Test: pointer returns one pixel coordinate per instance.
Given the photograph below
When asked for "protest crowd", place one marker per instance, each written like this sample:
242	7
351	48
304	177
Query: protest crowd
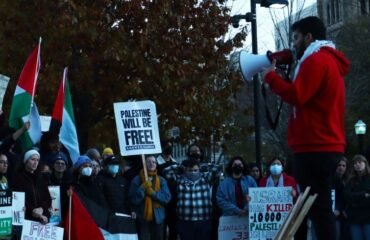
179	201
98	194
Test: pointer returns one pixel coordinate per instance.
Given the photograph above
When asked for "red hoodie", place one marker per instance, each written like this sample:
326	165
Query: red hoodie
318	99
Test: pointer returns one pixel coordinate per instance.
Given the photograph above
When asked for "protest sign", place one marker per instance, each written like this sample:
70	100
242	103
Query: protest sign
4	80
5	213
18	208
55	214
268	209
137	128
233	227
37	231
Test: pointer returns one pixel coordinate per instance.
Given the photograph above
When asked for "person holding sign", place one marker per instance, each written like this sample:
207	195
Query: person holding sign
277	177
149	197
30	181
233	190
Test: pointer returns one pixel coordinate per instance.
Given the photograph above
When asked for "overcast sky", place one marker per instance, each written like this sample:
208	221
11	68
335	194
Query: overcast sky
265	34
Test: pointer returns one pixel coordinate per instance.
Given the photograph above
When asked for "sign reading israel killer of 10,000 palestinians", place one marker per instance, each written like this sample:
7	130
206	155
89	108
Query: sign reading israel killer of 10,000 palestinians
268	209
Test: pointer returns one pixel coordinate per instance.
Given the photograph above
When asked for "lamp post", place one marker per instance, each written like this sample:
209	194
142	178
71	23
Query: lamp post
360	130
251	17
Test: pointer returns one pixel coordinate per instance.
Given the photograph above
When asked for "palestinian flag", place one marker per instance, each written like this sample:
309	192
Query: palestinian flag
78	223
63	120
88	220
23	108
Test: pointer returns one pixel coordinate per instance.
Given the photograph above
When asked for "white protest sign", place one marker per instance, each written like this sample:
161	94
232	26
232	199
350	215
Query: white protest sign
18	208
4	80
55	214
268	209
37	231
5	213
233	228
137	128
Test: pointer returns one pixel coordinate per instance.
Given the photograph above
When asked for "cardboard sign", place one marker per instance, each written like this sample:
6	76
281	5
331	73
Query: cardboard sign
18	208
37	231
233	227
268	209
137	128
55	213
5	213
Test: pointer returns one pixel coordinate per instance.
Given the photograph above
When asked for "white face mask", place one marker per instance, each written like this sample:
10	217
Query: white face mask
276	169
113	169
86	171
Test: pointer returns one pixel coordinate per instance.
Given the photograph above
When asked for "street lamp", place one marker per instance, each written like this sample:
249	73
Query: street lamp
251	17
360	130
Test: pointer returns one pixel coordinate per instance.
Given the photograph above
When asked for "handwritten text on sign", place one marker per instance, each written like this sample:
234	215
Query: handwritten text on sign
233	227
267	210
37	231
137	128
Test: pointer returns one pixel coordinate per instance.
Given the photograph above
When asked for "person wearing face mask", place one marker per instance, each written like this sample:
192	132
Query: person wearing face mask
233	190
84	184
277	178
194	202
114	186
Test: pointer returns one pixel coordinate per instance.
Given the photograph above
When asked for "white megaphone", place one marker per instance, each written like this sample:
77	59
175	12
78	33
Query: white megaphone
251	64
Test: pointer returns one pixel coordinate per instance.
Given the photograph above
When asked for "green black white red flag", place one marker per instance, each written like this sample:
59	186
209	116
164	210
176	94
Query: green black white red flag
63	120
23	108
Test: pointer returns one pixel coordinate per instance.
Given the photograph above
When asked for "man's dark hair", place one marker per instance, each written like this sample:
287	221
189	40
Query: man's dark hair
312	25
191	163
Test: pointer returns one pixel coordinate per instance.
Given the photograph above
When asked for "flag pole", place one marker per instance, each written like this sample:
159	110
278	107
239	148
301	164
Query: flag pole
70	215
36	73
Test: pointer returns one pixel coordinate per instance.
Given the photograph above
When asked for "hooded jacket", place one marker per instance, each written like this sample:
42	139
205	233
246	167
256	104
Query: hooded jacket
318	98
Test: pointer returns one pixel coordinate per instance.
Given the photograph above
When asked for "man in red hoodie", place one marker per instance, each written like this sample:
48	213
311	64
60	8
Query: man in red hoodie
316	127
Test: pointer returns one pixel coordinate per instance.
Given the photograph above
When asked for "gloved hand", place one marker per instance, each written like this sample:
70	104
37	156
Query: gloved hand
146	184
149	191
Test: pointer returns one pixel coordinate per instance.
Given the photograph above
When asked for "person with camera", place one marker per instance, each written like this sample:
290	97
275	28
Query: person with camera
357	195
316	126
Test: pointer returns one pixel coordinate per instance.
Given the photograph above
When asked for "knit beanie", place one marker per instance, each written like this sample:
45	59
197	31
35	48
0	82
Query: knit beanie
29	154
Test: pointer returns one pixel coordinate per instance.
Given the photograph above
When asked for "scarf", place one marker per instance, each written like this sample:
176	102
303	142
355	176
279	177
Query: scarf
3	183
270	182
239	194
148	204
312	48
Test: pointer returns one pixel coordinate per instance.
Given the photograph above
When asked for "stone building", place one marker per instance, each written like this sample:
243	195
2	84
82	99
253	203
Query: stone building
335	13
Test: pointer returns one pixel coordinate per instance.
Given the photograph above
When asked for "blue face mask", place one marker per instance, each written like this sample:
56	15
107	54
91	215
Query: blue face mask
276	169
113	169
86	171
193	176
